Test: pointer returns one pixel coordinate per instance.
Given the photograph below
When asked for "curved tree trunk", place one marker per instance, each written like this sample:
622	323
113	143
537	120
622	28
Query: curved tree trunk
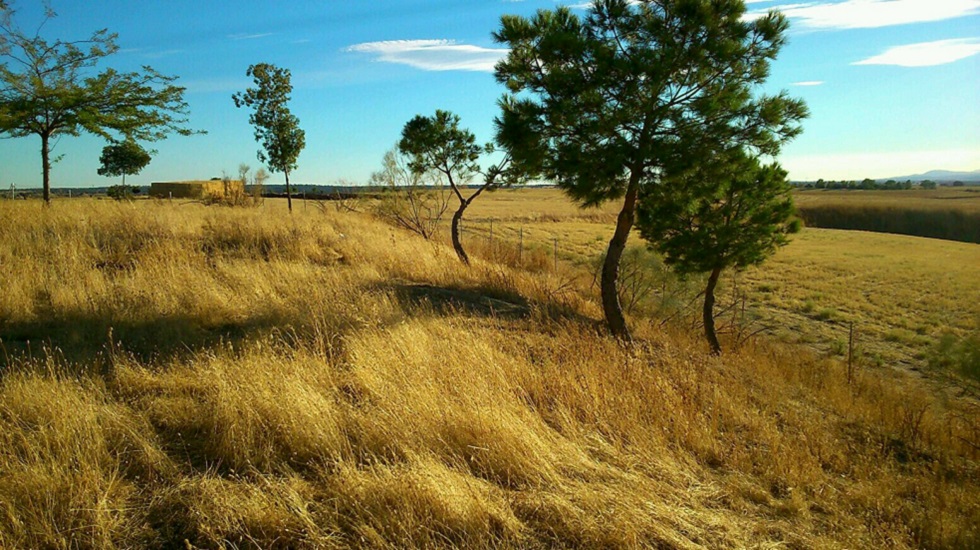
457	244
611	307
289	195
46	168
709	312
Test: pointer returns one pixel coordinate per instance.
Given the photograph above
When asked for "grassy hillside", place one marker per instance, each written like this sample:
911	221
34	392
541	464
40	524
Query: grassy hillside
180	376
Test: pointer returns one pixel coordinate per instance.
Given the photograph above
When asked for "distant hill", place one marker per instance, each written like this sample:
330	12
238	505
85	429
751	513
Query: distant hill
941	175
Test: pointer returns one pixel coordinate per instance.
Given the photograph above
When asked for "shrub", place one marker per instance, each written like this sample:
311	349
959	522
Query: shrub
960	355
647	286
409	200
122	192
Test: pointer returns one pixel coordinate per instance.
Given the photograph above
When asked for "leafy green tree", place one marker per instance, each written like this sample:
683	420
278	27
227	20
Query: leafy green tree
928	184
439	144
122	159
276	128
602	105
724	211
50	89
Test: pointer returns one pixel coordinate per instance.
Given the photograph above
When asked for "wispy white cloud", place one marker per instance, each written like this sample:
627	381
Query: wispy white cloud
433	55
246	36
808	83
863	14
155	54
163	53
926	54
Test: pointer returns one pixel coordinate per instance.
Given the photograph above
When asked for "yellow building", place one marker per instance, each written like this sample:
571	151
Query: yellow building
204	189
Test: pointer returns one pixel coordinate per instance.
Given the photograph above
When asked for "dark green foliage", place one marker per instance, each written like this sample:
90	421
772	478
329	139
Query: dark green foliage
122	159
604	104
723	211
276	128
50	89
629	88
438	144
727	212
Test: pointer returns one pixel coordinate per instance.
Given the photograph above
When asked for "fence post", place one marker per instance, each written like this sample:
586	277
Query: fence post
520	249
556	254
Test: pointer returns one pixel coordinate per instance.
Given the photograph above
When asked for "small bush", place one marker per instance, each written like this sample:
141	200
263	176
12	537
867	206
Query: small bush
826	314
122	192
960	355
647	286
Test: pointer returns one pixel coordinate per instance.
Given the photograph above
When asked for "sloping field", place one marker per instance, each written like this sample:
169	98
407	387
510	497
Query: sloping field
901	293
183	376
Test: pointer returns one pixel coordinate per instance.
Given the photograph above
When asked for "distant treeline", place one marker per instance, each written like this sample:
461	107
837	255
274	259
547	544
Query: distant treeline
869	184
939	223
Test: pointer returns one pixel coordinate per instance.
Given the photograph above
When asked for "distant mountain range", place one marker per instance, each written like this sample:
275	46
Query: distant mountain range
940	175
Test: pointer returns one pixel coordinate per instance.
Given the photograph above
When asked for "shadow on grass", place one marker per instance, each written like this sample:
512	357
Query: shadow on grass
82	340
480	302
490	302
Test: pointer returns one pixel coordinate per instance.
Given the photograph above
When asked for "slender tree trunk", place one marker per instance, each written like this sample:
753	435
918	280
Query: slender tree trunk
289	196
457	244
610	267
709	312
46	168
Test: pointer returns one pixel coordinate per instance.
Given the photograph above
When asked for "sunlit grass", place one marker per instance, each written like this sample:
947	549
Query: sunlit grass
244	378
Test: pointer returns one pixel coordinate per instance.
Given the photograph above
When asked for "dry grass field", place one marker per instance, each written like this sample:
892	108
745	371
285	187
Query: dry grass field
901	293
200	377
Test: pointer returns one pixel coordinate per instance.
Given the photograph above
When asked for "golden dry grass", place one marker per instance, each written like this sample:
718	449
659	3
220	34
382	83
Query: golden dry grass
247	379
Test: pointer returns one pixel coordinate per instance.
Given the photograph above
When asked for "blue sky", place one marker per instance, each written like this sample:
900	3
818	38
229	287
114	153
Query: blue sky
893	85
